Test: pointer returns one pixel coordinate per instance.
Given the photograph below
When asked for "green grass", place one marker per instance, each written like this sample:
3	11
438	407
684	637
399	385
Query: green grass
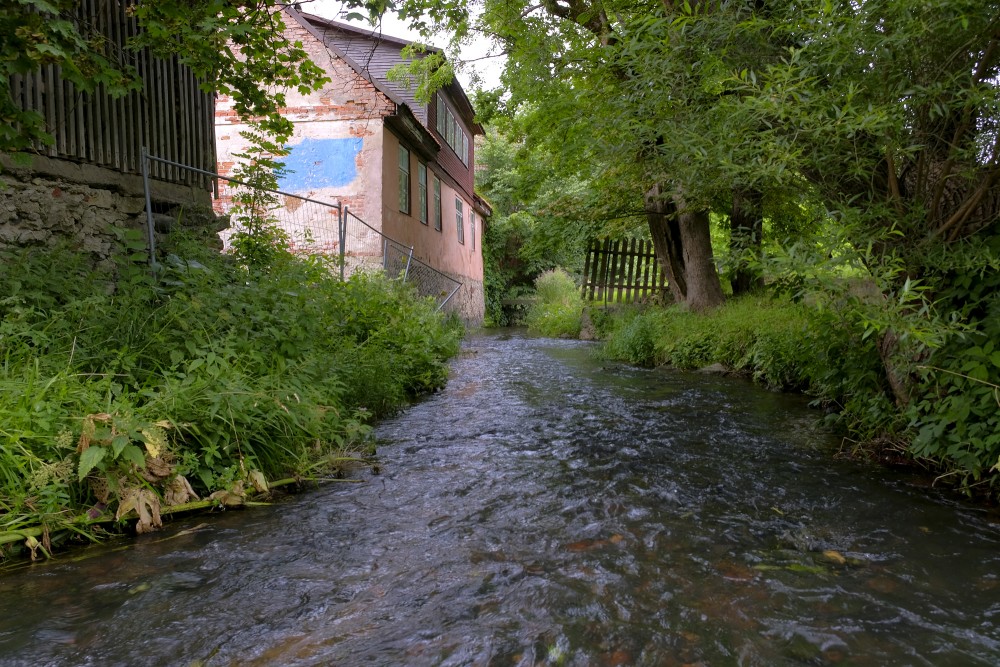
110	389
757	336
559	310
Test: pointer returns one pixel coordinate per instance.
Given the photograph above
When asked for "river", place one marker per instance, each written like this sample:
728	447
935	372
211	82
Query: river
548	508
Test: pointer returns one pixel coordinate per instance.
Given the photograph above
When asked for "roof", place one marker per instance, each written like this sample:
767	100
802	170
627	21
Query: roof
372	54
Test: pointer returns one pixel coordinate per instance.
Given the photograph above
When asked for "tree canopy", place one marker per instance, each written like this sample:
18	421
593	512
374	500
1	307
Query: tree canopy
236	48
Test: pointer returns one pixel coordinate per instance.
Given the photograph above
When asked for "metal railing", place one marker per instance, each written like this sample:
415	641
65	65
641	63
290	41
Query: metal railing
314	227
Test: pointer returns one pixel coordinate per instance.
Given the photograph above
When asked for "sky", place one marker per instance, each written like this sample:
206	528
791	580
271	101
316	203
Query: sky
487	68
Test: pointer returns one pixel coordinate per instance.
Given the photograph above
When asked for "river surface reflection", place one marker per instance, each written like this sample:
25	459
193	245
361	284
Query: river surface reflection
548	508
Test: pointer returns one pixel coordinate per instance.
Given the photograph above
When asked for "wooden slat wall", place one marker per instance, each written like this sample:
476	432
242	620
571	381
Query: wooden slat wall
621	271
171	115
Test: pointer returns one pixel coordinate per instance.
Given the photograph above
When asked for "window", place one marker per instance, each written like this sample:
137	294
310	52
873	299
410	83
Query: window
451	130
422	191
404	180
442	114
459	221
472	228
437	204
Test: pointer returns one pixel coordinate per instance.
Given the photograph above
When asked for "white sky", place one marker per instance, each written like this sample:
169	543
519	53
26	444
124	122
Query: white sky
473	55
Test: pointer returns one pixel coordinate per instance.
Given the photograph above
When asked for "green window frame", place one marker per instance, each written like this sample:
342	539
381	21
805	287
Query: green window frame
422	191
460	220
404	179
437	204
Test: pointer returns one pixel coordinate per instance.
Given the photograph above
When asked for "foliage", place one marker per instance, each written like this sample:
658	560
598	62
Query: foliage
753	335
956	408
235	47
560	307
542	218
43	32
216	378
258	242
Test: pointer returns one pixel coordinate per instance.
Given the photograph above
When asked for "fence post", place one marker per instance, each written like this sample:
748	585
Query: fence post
150	239
406	272
342	228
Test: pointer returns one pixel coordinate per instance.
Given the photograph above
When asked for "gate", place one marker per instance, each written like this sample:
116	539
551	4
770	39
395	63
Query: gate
621	271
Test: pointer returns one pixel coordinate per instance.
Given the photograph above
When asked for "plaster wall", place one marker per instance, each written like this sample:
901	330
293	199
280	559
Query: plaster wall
335	150
441	249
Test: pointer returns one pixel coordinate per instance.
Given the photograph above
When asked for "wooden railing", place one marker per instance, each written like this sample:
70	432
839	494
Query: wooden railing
171	115
621	271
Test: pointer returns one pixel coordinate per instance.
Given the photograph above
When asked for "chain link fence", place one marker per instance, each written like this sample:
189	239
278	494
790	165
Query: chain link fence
313	227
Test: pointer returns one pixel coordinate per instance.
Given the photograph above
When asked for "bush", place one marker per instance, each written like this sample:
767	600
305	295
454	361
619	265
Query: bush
560	307
754	335
210	376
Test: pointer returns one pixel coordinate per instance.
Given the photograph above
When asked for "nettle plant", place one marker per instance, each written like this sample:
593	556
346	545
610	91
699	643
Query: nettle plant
259	242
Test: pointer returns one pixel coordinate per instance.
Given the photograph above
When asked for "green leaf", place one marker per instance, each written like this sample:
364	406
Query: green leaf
118	444
133	454
91	456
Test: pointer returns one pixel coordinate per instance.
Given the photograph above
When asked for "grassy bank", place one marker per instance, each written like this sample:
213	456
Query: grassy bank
950	425
120	399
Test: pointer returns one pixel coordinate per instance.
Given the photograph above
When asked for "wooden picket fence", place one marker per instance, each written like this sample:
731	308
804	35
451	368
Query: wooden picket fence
171	115
621	271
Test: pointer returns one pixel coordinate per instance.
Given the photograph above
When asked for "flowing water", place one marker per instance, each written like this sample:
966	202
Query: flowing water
547	508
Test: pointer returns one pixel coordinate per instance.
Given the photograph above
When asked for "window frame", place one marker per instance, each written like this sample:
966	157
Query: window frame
460	220
450	129
472	228
438	213
422	191
442	114
404	179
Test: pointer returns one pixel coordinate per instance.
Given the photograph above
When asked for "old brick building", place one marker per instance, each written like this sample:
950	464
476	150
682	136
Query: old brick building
405	168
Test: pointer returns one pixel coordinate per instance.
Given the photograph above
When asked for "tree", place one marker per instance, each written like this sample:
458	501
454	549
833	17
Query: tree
237	48
613	82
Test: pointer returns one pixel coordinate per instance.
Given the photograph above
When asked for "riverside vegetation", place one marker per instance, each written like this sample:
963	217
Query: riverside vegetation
126	400
815	335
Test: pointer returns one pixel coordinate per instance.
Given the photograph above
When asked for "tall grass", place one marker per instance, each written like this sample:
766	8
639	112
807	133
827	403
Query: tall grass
780	343
210	375
560	307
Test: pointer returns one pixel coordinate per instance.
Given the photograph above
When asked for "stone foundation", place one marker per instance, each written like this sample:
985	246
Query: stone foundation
468	302
46	211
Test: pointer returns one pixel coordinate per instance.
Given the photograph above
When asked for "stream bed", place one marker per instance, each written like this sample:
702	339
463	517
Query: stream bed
548	508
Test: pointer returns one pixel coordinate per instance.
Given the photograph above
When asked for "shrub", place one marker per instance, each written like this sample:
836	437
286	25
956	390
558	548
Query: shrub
558	312
214	375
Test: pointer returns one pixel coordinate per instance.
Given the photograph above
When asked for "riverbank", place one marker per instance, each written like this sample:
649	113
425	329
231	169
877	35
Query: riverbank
921	390
823	353
126	397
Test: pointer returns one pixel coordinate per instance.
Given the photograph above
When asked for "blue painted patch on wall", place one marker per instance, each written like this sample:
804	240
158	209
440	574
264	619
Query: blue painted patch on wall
320	163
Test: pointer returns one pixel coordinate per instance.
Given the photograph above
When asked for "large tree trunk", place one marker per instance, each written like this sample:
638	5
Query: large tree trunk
683	243
746	229
661	216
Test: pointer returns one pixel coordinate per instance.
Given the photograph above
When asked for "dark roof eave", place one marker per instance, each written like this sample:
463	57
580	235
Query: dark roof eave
310	21
405	124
